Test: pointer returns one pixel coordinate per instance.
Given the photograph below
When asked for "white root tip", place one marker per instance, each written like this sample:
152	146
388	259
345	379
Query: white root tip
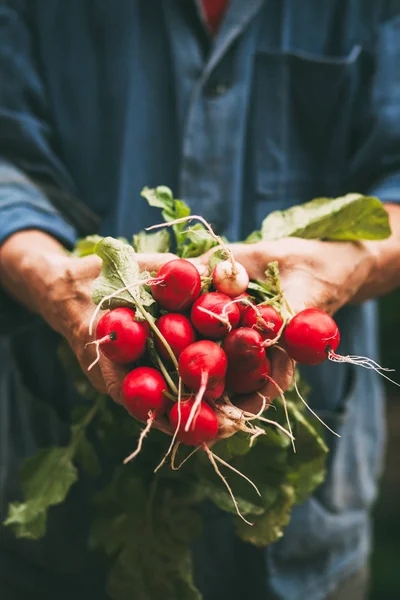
309	408
143	434
97	344
282	395
185	459
211	457
223	462
363	361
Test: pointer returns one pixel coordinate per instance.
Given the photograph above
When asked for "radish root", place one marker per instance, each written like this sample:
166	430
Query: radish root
176	430
212	458
224	320
282	395
362	361
196	404
309	408
143	434
97	344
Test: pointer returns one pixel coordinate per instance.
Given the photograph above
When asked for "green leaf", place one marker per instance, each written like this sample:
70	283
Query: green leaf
222	499
86	246
147	537
46	479
192	238
252	238
85	454
269	528
350	217
119	276
159	241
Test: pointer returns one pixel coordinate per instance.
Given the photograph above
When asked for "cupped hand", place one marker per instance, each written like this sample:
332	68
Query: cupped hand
313	273
68	308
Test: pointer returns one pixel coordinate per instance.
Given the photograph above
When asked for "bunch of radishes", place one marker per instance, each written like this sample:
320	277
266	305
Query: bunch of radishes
206	350
210	347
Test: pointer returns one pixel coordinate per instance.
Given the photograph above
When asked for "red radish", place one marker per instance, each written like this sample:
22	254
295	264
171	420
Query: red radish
264	318
230	278
203	427
214	314
311	336
242	382
143	393
179	286
203	361
244	349
243	302
178	333
120	337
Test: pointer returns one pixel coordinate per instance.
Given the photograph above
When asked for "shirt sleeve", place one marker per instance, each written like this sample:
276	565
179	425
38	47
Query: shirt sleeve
375	143
36	190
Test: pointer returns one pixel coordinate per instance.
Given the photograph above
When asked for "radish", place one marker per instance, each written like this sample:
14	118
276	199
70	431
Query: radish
230	278
143	393
214	314
245	382
202	367
177	330
243	301
120	337
311	336
179	285
203	363
244	349
203	428
263	317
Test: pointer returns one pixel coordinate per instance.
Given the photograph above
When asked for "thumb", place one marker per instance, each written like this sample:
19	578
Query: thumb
153	261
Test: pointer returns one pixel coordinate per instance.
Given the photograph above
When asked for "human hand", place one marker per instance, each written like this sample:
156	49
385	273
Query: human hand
36	270
323	275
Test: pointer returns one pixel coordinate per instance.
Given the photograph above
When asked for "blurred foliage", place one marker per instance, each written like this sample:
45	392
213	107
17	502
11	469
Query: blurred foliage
386	556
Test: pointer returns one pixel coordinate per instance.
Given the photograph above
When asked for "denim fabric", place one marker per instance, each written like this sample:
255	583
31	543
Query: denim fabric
290	101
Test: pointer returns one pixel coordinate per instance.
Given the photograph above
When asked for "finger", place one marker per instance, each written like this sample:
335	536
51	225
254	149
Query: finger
89	266
113	376
152	261
201	265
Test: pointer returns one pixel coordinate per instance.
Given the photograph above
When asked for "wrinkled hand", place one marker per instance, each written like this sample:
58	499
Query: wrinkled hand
323	275
69	308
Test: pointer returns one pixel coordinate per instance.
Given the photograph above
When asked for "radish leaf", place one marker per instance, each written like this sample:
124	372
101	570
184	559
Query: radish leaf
349	217
159	241
120	269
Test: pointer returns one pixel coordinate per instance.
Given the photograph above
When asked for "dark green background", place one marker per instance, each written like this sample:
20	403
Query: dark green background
386	557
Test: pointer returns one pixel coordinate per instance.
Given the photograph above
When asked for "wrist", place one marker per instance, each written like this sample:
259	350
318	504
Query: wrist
36	271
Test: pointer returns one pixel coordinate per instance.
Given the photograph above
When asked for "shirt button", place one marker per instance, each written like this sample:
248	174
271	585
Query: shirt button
213	90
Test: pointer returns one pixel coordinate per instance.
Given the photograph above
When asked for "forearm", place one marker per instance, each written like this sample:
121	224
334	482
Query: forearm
385	272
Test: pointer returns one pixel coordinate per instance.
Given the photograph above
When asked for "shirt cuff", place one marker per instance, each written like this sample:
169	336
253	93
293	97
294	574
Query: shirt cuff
19	217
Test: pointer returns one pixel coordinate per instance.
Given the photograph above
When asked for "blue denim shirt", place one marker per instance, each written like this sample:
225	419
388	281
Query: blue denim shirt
291	100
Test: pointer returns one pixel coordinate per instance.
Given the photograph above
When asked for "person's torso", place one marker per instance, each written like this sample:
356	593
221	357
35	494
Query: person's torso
257	119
